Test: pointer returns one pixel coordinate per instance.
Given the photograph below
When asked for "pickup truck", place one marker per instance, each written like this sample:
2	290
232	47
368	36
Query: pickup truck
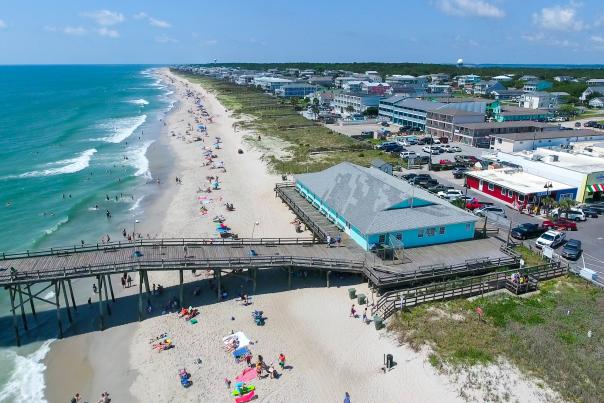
560	224
475	204
527	230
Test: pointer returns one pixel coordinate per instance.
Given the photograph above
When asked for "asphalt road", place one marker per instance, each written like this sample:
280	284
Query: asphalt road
590	232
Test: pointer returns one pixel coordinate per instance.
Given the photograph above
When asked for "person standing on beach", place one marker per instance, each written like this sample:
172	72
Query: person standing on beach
365	315
129	281
282	361
94	288
123	282
353	312
346	397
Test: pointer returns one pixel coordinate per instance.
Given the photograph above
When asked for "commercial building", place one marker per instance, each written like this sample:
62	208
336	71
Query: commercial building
376	209
299	90
539	100
397	81
442	122
584	172
517	188
479	134
359	102
513	142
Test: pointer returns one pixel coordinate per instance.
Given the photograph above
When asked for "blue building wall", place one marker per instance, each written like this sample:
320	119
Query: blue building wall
410	238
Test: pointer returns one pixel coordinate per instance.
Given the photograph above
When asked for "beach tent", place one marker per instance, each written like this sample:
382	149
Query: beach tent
243	340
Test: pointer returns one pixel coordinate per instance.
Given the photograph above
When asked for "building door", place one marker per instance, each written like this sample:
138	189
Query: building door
480	183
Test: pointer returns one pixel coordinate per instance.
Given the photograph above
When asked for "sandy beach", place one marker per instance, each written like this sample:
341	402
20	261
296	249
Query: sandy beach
328	352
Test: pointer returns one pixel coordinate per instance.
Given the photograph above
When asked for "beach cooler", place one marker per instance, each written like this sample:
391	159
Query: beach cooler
361	299
352	293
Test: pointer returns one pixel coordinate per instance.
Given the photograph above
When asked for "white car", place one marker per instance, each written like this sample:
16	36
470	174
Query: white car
573	214
490	210
407	154
550	238
450	194
445	148
455	149
431	149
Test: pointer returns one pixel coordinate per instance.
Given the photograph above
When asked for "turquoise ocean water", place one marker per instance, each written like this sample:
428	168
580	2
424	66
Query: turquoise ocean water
73	144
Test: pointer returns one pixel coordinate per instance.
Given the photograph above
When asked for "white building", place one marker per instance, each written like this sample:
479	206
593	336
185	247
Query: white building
592	90
514	142
581	171
270	83
467	79
539	100
597	102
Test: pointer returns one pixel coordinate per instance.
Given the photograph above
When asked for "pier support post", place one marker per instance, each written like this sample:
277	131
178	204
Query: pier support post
146	279
289	278
140	295
218	274
101	313
327	275
66	301
110	288
15	322
103	278
73	303
59	323
181	298
23	317
255	282
31	300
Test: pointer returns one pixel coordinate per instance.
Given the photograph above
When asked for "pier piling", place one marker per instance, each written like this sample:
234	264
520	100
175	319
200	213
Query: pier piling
101	313
31	300
66	301
59	323
15	322
22	306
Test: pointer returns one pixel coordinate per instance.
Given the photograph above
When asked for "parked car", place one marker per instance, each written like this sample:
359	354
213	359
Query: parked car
561	224
409	176
443	140
411	141
434	150
427	183
439	188
460	172
445	148
455	149
474	204
550	238
482	212
598	208
527	230
385	124
572	249
425	140
450	194
407	154
591	212
574	214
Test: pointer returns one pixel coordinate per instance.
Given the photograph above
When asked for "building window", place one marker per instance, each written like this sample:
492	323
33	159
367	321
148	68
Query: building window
521	198
468	227
382	238
399	236
503	191
430	231
420	233
510	193
491	186
441	230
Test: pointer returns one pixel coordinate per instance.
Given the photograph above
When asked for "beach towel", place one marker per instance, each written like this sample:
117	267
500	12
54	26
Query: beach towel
245	398
247	375
193	321
243	340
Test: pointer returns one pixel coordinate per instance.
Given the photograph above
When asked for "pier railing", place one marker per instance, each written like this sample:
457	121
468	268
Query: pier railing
190	263
164	242
309	222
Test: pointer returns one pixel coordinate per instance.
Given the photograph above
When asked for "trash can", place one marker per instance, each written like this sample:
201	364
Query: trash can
378	322
389	361
352	293
361	299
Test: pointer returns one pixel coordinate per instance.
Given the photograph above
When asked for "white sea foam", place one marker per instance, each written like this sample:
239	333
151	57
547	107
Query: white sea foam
49	295
140	102
138	159
56	227
136	204
26	383
67	166
122	128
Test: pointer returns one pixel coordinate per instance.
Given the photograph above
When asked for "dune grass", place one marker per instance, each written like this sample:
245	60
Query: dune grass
312	146
546	334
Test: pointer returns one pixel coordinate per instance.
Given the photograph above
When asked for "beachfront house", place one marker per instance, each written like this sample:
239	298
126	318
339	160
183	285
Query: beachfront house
590	91
299	90
597	102
533	86
379	210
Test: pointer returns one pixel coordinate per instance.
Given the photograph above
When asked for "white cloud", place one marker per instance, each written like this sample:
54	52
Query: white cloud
76	31
110	33
165	39
104	17
2	24
152	21
559	18
464	8
536	37
598	39
210	42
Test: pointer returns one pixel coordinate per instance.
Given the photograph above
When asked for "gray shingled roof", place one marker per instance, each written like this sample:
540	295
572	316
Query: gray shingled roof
420	104
363	196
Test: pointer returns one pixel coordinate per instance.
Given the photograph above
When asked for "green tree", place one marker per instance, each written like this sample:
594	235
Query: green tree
371	111
350	108
315	110
567	110
548	203
566	204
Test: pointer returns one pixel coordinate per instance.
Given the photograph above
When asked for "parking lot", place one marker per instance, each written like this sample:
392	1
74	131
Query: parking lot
590	232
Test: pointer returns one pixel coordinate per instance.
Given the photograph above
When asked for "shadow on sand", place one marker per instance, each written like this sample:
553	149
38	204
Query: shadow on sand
124	310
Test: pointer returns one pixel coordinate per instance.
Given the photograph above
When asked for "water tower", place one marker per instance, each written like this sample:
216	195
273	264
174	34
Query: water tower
459	62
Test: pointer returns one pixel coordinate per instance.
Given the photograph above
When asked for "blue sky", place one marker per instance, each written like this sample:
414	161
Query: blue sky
183	31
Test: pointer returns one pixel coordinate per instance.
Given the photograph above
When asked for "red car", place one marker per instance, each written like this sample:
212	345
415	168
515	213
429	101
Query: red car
474	204
560	224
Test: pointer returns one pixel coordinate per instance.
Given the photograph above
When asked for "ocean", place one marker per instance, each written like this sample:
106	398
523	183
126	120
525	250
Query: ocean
73	147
